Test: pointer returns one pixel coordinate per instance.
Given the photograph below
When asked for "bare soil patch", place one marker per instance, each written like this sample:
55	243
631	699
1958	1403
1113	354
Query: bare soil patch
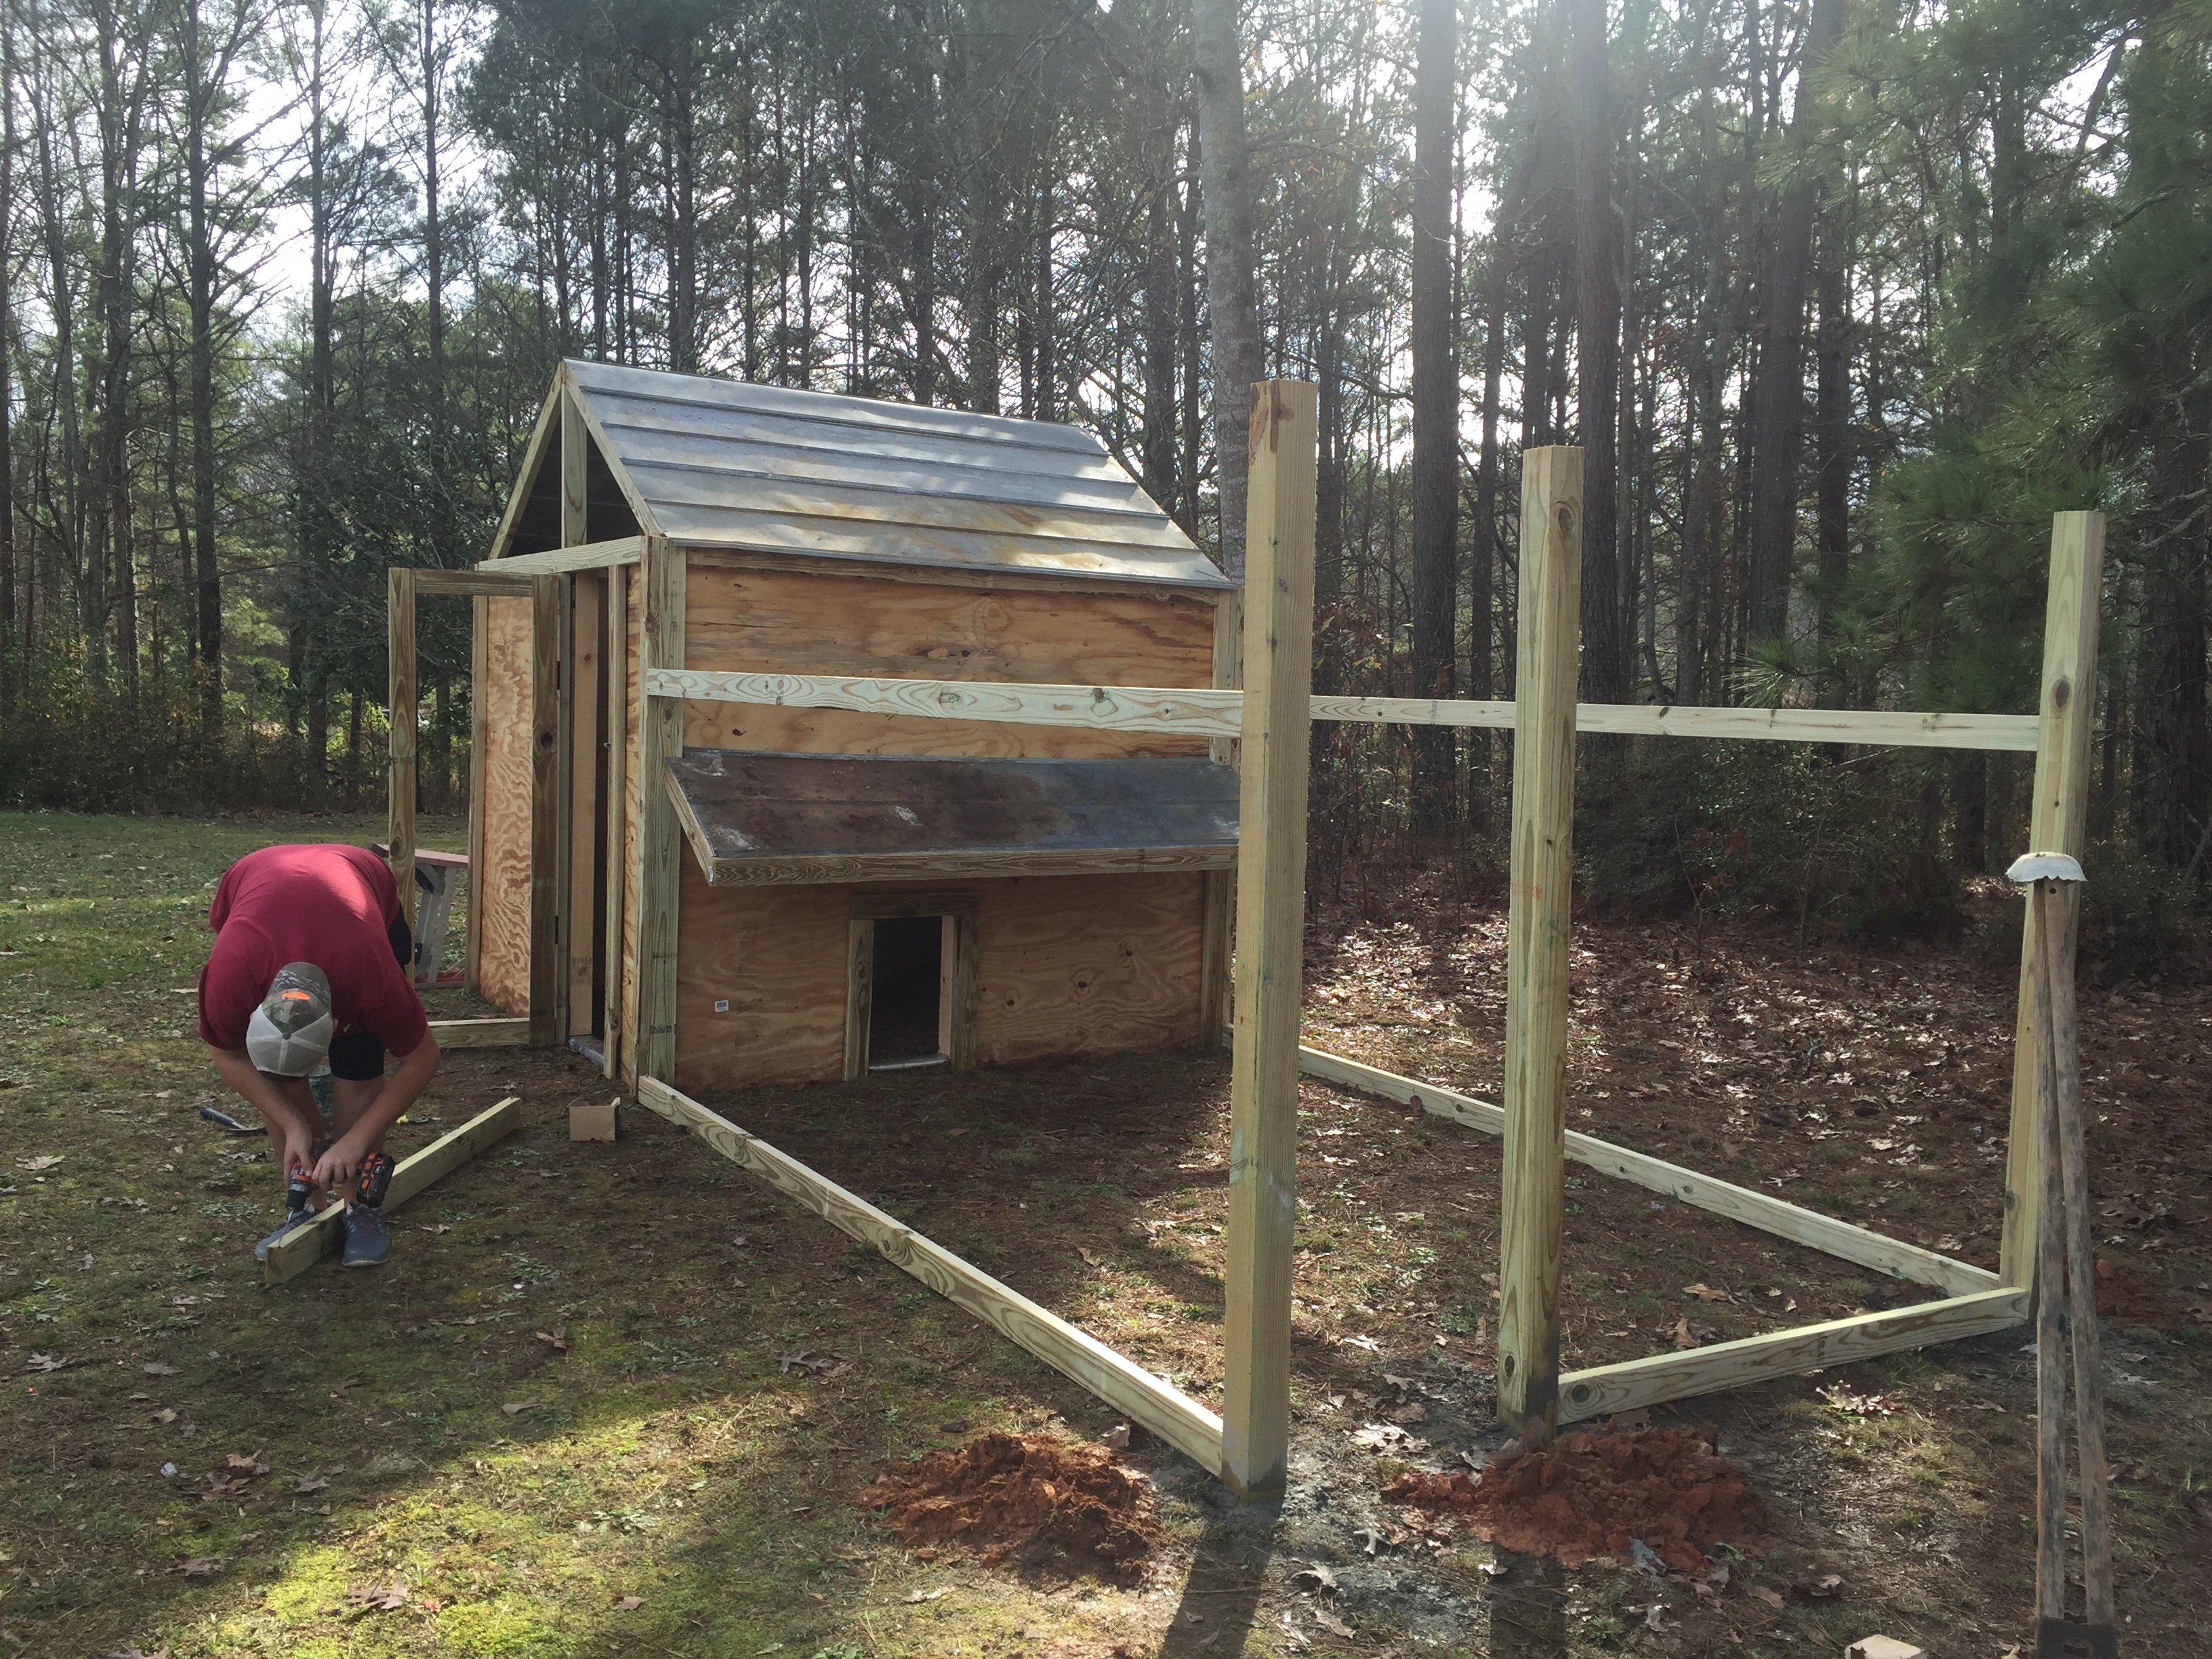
1589	1495
1025	1499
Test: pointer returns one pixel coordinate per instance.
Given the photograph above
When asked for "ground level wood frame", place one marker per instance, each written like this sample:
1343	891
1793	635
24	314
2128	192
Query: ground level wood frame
319	1235
1270	720
1248	1445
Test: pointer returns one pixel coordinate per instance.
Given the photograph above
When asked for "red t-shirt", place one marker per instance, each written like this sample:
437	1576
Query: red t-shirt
332	906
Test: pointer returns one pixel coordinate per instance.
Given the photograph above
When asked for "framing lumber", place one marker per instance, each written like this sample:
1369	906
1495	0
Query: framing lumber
580	797
923	902
1166	1411
1750	1359
860	994
616	807
1842	1239
575	463
321	1233
1214	713
472	583
401	704
479	684
2058	819
660	846
547	821
1275	742
1216	928
498	1033
561	561
1199	712
533	454
1538	921
963	994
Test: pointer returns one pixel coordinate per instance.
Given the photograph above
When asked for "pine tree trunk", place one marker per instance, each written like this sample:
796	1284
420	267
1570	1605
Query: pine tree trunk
1831	451
1232	303
1597	354
1779	437
1435	482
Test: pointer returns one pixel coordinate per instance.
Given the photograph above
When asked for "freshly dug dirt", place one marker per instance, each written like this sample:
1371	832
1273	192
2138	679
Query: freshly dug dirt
2127	1298
1023	1497
1585	1496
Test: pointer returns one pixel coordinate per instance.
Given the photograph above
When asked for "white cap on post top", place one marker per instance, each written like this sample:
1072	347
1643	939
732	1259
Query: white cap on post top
2031	867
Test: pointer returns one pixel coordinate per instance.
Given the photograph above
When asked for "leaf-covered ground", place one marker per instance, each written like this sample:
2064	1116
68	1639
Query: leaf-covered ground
613	1399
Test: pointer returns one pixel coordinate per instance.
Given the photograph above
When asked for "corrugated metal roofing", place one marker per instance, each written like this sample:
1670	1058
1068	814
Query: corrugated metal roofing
712	463
759	816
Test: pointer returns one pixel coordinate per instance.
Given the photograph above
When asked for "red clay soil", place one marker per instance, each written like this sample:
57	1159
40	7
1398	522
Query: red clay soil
2127	1298
1585	1496
1023	1497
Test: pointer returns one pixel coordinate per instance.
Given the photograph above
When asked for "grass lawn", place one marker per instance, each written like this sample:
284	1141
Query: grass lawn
615	1399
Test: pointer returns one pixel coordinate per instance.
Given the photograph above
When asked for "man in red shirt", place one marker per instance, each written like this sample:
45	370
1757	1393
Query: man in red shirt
311	962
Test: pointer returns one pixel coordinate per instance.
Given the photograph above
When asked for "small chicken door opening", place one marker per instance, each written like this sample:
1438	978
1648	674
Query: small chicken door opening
908	1020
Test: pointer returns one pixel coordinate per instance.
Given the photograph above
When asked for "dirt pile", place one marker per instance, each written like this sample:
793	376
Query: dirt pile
2127	1298
1588	1494
1023	1497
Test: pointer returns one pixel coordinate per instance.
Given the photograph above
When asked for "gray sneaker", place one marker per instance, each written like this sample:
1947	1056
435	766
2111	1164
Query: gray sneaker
292	1219
366	1243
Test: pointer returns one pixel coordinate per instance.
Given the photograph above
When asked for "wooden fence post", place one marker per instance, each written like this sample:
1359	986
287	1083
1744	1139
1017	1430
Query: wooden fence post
660	851
401	702
1216	1006
1271	861
479	690
2058	821
616	807
1538	920
547	820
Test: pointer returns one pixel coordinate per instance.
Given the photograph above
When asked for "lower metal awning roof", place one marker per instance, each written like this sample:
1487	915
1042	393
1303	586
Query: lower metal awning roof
759	817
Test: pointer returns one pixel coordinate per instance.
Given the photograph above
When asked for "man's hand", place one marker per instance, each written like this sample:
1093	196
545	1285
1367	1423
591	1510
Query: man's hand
335	1170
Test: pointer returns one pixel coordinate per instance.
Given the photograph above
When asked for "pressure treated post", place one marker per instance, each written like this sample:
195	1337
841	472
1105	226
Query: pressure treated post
1538	920
1271	868
660	871
1217	935
479	690
575	447
2058	818
401	701
616	808
546	819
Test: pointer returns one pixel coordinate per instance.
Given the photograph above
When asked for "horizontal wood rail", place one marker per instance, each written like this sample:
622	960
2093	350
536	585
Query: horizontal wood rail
481	1033
564	560
1197	712
490	584
1749	1359
317	1236
1122	1383
1769	1214
1202	712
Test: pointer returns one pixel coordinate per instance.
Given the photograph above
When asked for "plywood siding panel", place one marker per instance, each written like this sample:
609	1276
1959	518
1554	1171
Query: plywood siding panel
1073	964
803	623
778	958
503	974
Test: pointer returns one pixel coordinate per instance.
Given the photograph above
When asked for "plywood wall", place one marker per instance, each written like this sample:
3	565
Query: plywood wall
1069	964
810	622
1087	964
503	974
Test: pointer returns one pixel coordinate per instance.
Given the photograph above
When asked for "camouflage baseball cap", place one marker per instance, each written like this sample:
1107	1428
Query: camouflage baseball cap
289	1033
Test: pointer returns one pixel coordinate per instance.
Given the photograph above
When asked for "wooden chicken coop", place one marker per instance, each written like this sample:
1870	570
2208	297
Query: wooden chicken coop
856	890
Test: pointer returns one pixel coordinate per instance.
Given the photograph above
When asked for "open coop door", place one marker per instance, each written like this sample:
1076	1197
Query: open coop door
521	868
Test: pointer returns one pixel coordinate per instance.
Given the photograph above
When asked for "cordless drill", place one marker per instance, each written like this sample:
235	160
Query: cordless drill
373	1181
